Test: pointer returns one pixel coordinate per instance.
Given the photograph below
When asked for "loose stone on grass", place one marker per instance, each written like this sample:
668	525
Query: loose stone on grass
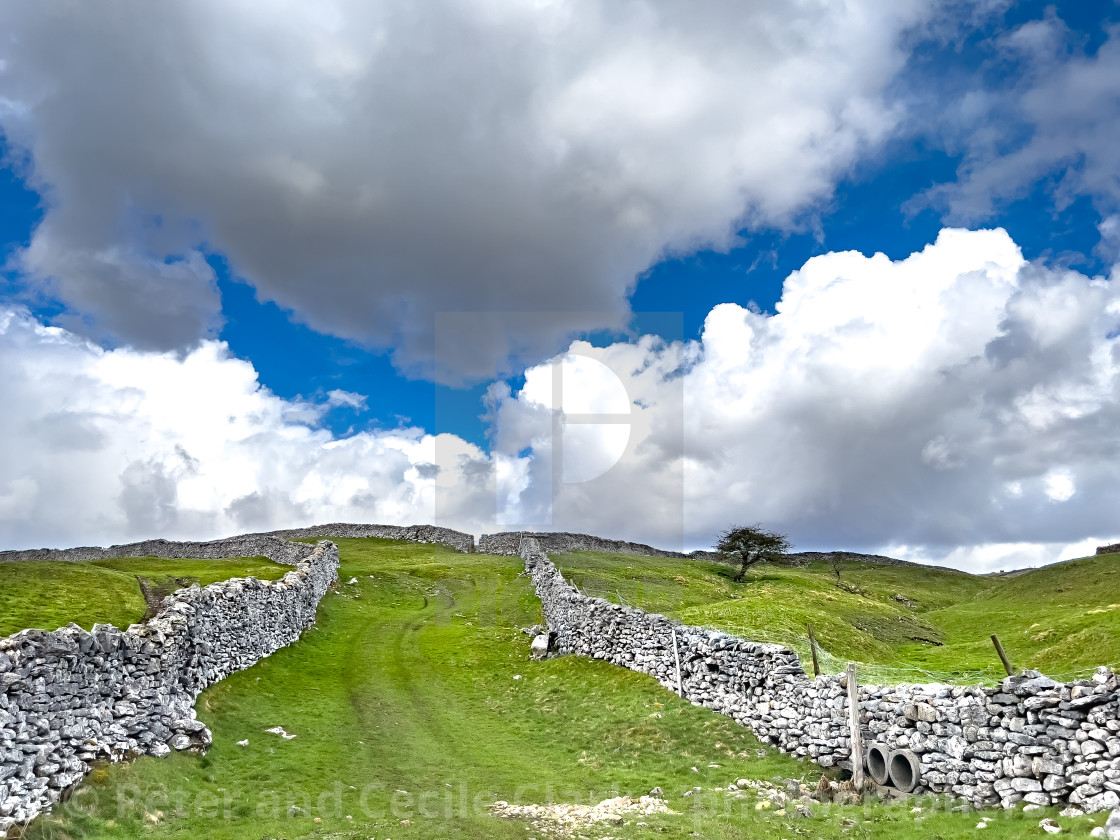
562	820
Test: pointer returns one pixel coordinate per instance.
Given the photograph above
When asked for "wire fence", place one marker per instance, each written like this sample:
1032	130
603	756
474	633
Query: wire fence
870	672
882	674
873	673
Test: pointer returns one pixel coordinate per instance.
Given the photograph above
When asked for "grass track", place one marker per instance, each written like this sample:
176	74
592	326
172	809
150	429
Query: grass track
404	703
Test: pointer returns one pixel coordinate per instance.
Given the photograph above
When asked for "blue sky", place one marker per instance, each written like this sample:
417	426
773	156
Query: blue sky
314	209
867	214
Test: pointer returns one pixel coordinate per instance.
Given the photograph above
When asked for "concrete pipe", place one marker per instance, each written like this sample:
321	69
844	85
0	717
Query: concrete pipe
905	770
878	758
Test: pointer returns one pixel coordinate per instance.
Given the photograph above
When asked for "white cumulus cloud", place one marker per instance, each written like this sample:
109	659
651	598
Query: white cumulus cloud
102	446
961	405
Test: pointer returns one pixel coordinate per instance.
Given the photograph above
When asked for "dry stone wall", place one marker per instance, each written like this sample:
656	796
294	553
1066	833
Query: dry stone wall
251	545
69	698
271	544
413	533
508	544
1031	739
1109	549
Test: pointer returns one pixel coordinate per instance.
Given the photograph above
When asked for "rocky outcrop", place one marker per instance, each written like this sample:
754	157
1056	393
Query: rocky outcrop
1109	549
1029	740
509	543
271	544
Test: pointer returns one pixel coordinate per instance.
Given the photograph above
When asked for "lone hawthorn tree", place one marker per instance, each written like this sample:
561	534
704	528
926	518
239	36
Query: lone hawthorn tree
751	544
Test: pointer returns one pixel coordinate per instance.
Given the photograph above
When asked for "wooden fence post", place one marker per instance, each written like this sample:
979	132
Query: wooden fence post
813	648
854	730
1002	656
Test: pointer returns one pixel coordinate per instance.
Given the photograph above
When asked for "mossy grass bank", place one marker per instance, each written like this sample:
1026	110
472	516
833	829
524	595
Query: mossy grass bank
47	594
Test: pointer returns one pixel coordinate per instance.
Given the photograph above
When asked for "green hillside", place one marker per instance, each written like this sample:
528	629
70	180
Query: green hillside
48	594
906	623
414	708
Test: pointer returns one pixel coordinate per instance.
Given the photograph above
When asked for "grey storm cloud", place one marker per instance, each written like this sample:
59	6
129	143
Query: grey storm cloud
368	165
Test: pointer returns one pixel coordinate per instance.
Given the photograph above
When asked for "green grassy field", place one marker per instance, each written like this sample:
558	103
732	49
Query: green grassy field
413	699
906	623
48	594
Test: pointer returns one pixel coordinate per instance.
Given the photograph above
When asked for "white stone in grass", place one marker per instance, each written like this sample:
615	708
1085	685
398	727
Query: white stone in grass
244	743
352	580
1049	826
539	647
1111	829
279	730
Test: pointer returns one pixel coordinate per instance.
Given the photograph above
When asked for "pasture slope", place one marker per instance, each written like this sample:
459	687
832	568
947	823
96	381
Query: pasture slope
414	708
47	594
906	623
